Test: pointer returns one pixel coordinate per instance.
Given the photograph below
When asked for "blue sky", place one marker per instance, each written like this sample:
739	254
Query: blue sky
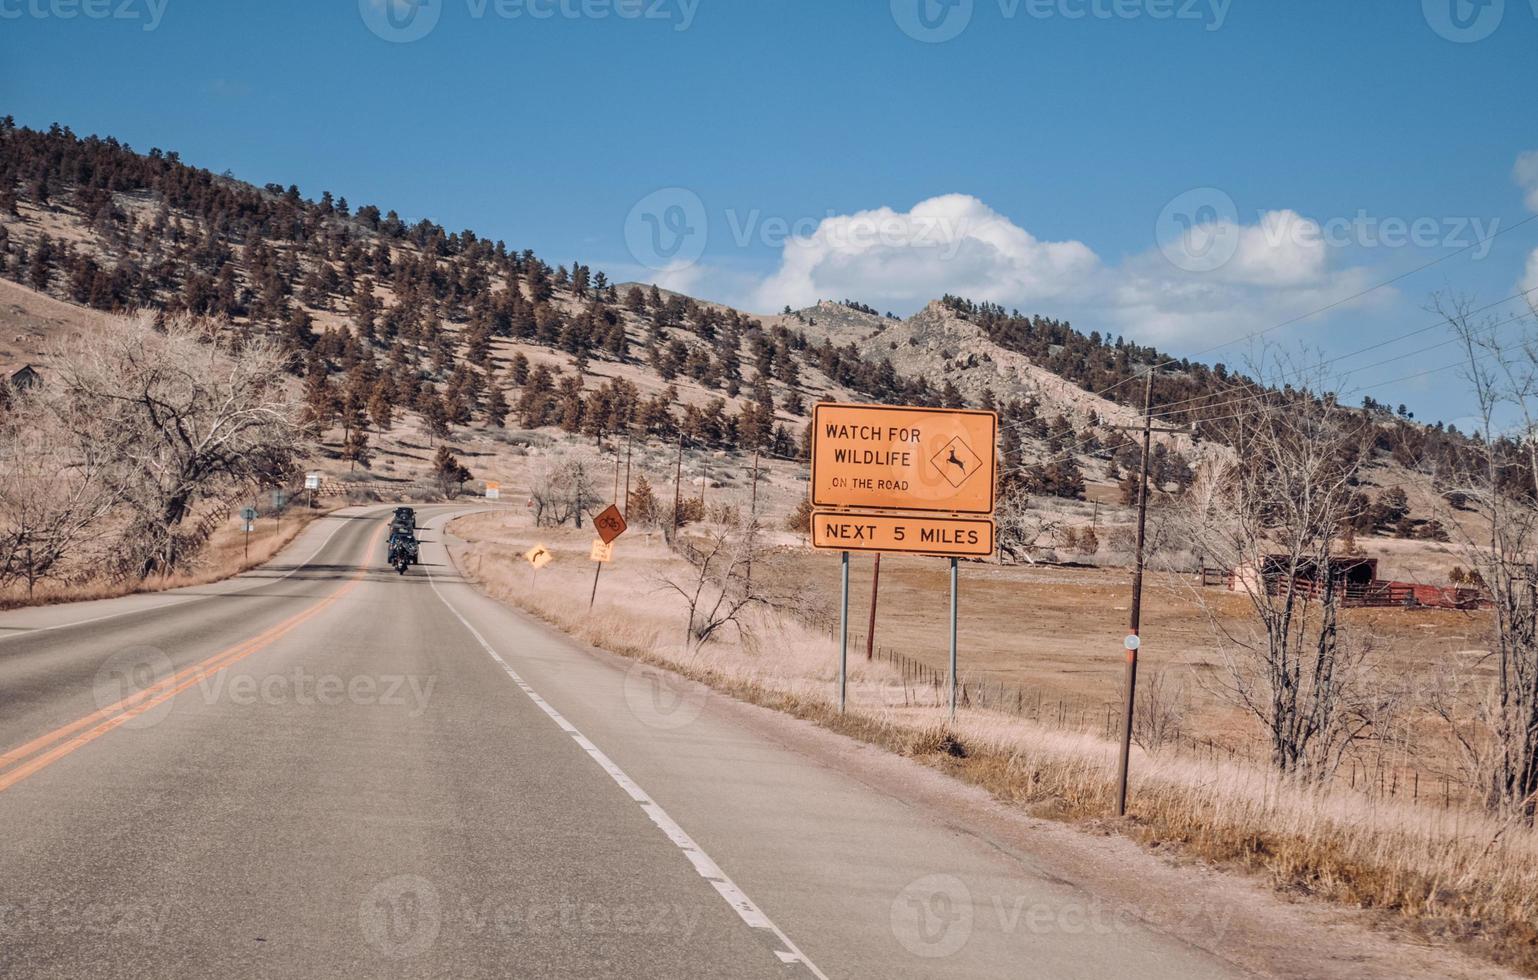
1049	146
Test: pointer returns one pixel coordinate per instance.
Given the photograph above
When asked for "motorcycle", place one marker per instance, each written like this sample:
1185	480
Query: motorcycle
400	560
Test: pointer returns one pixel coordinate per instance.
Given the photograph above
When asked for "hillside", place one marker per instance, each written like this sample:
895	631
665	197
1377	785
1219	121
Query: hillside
407	335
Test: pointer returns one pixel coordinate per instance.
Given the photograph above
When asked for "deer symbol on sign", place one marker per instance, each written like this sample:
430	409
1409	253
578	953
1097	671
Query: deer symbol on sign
956	462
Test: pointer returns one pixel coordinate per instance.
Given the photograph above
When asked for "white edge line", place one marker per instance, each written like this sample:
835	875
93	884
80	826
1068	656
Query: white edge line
744	906
182	601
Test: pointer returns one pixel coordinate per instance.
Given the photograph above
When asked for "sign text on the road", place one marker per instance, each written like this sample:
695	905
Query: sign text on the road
885	457
958	537
493	490
602	551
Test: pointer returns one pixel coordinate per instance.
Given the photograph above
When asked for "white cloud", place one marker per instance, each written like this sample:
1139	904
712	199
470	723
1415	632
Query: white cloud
1279	268
950	244
1530	281
1525	173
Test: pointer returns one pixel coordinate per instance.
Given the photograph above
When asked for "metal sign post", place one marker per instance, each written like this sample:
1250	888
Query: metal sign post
954	583
843	637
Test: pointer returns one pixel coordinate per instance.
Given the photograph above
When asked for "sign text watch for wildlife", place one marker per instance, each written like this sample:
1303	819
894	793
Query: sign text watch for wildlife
884	457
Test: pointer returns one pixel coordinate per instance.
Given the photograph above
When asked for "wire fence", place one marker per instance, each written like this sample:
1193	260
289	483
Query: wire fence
926	685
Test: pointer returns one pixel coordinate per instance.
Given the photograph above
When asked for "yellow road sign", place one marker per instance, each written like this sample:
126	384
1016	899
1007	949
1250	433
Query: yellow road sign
539	556
602	551
884	457
947	537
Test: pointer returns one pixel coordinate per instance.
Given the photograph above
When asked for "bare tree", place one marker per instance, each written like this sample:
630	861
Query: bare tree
1022	527
1492	709
1163	704
1273	511
52	496
562	490
177	414
719	587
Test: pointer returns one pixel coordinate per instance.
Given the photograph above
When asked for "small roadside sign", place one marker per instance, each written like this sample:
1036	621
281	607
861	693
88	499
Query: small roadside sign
312	481
279	499
493	491
942	536
885	457
539	556
610	524
248	514
602	551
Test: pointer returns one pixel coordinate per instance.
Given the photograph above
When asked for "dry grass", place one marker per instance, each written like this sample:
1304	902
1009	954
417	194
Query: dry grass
224	557
1446	872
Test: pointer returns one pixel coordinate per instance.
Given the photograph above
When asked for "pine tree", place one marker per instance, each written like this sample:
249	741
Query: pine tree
496	407
379	407
355	447
642	507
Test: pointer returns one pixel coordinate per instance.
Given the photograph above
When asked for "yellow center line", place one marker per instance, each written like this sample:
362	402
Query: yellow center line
113	716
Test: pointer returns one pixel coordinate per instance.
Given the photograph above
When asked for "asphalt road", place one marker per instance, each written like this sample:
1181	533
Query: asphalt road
324	769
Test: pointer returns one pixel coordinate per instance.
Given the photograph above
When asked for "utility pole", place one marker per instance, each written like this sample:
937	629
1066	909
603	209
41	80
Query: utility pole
1134	633
752	523
875	585
629	441
678	476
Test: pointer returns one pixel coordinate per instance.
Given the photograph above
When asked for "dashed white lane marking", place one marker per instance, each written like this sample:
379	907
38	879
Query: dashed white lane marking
744	906
176	602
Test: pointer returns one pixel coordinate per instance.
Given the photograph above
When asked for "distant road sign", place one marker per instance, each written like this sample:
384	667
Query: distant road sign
610	524
539	556
493	491
947	537
279	499
602	551
248	514
884	457
312	481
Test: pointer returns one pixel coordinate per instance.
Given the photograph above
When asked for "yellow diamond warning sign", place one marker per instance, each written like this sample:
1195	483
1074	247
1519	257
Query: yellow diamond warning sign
885	457
956	462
